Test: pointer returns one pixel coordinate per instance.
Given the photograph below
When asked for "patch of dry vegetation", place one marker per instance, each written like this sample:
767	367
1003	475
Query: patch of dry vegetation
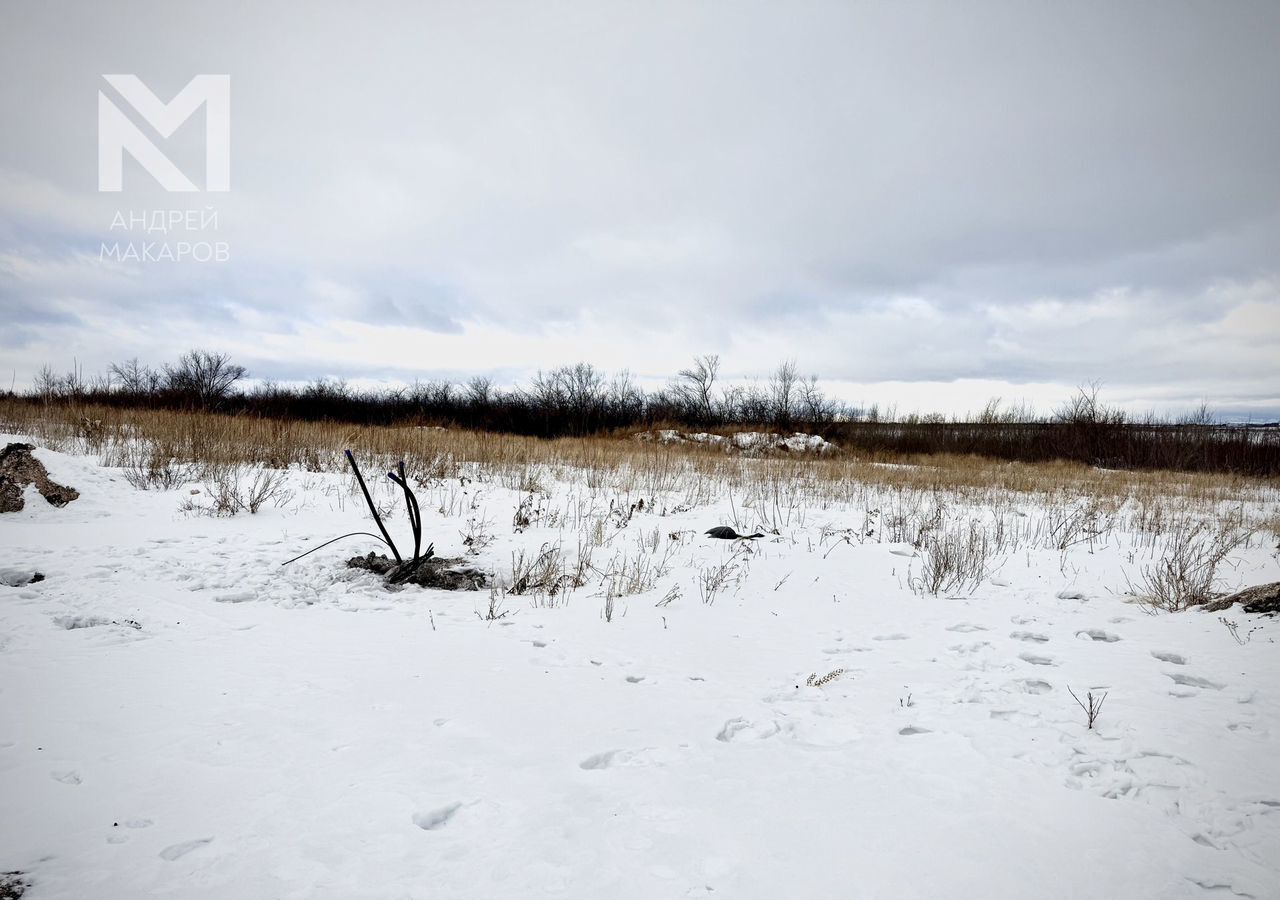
962	514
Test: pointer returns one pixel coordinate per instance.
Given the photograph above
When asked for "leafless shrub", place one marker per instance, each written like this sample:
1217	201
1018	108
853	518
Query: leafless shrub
476	537
152	466
234	490
1079	523
636	573
714	579
545	576
954	558
1233	628
1187	574
494	610
1093	708
530	512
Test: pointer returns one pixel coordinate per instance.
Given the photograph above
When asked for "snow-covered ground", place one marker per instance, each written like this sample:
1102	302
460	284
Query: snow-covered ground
182	717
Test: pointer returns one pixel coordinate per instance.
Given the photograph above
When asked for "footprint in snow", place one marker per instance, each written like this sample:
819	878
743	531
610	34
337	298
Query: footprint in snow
436	818
738	725
1097	634
177	851
1029	636
1035	686
66	777
965	628
1014	715
1176	659
913	729
71	623
635	679
1194	681
1037	660
598	760
896	636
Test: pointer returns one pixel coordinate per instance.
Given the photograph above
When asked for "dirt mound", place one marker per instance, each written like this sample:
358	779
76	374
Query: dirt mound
437	572
18	468
1261	598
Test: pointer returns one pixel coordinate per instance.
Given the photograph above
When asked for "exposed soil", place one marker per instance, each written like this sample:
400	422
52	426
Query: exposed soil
13	885
1261	598
442	573
18	468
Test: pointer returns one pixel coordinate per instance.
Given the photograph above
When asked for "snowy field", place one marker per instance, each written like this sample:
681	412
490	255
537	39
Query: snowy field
180	716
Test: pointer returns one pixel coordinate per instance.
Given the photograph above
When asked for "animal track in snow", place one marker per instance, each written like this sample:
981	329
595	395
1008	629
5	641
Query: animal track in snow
71	623
1029	636
1036	660
1034	685
965	627
1014	715
738	725
970	648
66	777
1097	634
1176	659
1194	681
635	679
896	636
1224	888
436	818
177	851
913	729
598	760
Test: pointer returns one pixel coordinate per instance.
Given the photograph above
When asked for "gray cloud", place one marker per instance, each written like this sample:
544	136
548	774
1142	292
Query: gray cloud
1012	193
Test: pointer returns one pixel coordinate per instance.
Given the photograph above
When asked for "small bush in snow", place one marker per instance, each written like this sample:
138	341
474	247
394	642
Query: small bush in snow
1187	574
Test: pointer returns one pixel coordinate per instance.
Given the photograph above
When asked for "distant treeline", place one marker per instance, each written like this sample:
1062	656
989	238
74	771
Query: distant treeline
580	400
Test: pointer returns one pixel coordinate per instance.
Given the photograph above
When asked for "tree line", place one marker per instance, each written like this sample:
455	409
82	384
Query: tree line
572	400
580	399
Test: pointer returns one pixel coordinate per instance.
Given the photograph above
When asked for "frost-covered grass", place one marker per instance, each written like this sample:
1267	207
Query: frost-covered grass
873	700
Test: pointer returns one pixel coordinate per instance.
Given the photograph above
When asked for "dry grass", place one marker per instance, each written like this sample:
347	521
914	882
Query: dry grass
964	514
119	436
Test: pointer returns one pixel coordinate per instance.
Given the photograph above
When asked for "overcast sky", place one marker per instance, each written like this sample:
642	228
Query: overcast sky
925	204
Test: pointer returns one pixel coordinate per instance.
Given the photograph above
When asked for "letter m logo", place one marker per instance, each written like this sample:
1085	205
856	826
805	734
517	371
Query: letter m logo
117	134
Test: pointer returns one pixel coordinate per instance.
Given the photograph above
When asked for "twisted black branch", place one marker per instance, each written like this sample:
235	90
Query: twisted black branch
373	509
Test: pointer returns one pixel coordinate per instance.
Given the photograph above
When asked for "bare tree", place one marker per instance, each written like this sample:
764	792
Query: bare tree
204	378
1085	408
816	408
479	391
135	378
626	400
783	393
696	383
